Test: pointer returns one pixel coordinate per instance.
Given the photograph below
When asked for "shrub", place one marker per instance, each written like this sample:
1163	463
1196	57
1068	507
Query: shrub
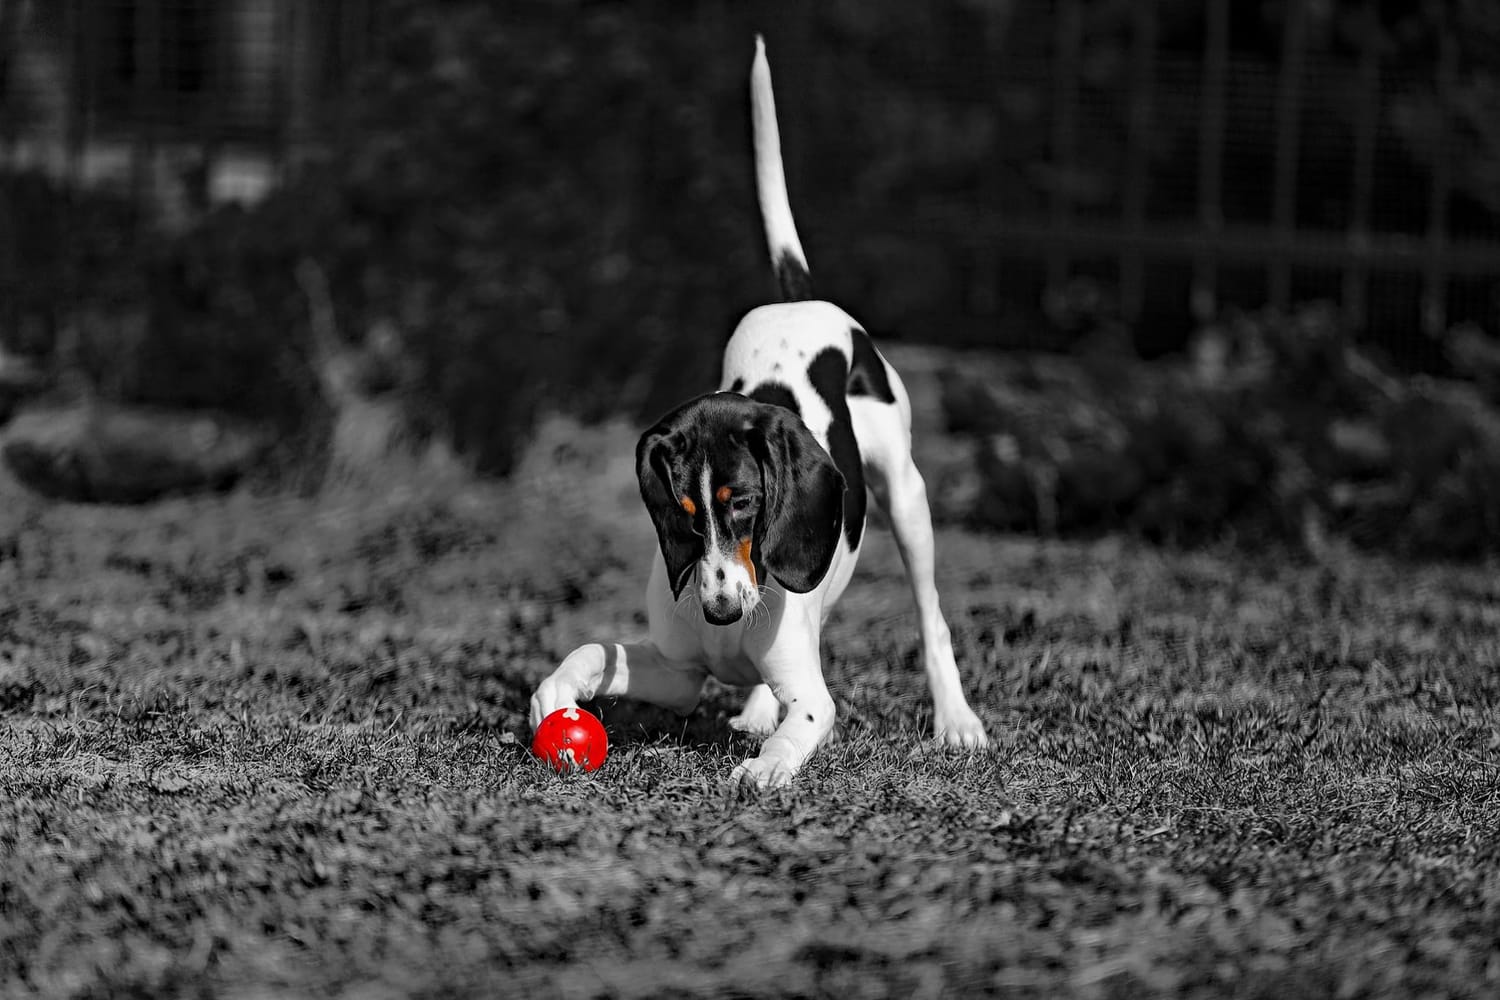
533	197
1283	431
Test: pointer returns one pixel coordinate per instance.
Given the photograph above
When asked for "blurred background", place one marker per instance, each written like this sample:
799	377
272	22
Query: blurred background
1183	267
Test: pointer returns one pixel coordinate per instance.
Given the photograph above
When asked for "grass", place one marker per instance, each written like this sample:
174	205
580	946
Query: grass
259	747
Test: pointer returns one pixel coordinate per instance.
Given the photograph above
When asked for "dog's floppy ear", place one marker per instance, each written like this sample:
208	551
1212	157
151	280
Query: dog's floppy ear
803	509
680	546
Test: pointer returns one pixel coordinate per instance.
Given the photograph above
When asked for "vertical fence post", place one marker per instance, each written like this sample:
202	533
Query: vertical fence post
351	35
76	101
1138	158
211	110
283	47
77	109
10	43
1068	39
1288	115
144	91
355	33
1434	273
68	287
984	283
1366	121
1205	291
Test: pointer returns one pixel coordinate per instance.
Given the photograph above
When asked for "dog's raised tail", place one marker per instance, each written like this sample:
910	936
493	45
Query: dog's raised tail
787	258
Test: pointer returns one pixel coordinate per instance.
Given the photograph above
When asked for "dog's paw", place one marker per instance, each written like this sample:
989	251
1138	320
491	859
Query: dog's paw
754	725
760	714
759	774
958	727
548	698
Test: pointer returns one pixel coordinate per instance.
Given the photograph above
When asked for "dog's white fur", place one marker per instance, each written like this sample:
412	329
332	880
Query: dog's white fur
774	645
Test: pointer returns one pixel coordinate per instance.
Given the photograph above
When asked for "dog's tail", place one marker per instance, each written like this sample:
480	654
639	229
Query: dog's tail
787	258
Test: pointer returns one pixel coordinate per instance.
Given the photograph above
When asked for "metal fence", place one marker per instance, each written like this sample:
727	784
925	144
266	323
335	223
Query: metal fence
1386	232
191	102
185	101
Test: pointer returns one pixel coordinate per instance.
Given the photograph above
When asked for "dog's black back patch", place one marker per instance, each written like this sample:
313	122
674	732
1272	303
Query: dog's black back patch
829	374
866	371
776	394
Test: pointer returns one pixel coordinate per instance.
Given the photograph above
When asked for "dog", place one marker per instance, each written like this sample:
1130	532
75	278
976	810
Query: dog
758	496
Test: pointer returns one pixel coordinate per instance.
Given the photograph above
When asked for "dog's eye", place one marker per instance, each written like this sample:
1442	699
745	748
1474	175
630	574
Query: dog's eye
742	504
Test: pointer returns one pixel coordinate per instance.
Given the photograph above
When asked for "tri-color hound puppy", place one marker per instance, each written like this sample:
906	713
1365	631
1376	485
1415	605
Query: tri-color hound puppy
757	493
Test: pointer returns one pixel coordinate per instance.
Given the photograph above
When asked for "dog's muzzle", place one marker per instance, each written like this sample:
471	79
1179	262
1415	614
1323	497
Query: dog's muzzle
721	610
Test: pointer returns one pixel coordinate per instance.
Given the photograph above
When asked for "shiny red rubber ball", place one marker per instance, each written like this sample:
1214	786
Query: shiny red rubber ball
571	738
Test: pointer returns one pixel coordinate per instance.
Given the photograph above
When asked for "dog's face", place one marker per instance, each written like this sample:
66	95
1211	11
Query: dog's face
739	489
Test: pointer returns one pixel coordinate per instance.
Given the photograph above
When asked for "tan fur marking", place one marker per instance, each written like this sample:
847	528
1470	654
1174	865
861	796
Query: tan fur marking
743	552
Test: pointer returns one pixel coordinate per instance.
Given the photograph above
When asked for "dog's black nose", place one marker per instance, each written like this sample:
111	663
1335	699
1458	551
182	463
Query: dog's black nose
721	612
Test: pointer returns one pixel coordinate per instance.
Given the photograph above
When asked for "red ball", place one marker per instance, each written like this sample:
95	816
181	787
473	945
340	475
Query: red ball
571	738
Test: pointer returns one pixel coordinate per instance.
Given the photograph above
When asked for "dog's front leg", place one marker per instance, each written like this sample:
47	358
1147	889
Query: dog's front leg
607	670
791	668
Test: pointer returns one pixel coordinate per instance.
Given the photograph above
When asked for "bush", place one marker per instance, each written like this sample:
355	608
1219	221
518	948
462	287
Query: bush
1280	431
533	197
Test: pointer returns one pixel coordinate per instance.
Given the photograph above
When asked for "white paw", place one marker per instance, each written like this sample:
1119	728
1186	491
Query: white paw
957	726
761	713
760	773
549	697
753	722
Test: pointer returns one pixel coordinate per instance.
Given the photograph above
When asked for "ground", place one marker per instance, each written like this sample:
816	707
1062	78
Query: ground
257	747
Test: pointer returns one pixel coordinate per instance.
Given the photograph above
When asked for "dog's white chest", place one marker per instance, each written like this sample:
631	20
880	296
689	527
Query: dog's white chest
724	655
680	632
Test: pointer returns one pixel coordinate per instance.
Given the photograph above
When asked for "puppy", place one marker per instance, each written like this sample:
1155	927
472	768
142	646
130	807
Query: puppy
758	495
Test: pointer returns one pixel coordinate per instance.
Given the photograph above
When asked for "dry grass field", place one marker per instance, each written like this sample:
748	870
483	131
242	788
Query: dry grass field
265	747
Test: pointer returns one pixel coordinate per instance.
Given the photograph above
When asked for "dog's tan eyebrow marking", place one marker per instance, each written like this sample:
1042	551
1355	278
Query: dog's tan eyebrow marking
723	494
689	506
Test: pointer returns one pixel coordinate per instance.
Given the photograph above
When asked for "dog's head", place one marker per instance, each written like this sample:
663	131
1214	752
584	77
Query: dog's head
739	489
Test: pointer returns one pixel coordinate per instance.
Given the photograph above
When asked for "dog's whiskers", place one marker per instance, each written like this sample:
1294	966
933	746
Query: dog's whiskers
685	604
761	610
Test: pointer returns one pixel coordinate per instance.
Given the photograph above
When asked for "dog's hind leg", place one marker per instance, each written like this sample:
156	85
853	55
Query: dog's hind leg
607	670
884	438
